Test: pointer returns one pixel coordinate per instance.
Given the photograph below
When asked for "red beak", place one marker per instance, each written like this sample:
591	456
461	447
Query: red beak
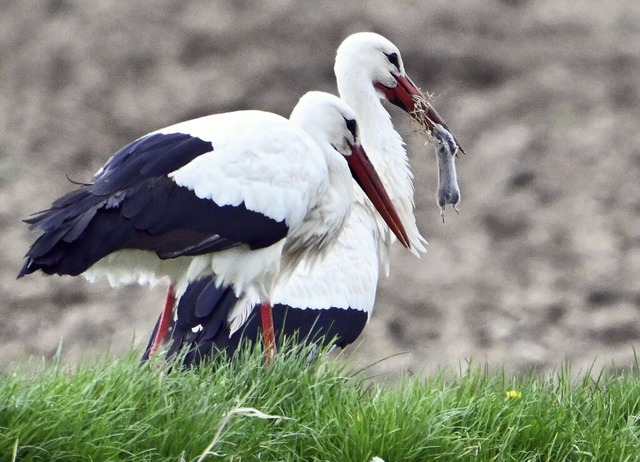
404	95
366	176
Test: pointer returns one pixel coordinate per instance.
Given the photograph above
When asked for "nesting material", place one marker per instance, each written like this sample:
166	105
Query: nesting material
421	114
427	117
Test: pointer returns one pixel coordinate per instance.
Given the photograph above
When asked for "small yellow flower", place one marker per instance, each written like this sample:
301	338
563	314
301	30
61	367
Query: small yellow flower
514	394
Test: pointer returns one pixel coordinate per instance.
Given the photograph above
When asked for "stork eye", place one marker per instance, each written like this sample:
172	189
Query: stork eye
393	59
351	126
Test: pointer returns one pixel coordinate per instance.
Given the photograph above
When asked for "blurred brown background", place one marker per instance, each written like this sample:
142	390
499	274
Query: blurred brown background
543	263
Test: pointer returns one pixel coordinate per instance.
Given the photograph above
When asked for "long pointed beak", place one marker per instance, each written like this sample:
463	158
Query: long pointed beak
405	95
366	176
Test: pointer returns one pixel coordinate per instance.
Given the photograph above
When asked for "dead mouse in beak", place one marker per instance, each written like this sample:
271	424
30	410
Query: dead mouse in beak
446	151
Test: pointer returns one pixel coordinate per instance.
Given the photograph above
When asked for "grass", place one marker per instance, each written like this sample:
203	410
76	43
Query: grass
116	410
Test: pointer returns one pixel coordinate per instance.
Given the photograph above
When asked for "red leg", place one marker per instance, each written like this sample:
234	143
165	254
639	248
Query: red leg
165	321
268	333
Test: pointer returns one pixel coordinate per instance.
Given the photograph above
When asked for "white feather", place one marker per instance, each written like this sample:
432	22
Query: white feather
258	158
345	278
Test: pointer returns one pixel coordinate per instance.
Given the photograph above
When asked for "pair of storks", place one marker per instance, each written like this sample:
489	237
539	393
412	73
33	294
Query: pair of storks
244	211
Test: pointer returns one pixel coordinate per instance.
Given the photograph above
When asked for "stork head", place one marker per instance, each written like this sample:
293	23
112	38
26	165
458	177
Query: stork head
332	125
368	59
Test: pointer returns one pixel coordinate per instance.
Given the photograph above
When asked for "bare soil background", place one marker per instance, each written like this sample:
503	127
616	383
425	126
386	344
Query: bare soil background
542	264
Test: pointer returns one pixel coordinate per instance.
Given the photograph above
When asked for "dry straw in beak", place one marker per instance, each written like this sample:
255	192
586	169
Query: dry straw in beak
420	115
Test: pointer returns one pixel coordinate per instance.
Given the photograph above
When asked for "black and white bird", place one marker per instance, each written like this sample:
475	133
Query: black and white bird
239	196
334	298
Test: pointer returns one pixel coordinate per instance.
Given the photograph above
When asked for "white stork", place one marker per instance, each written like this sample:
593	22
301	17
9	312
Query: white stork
334	298
227	195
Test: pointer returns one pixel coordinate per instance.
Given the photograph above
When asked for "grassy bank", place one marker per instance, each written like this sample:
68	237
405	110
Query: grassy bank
116	410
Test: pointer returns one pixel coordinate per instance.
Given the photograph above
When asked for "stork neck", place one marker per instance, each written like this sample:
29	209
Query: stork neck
385	148
382	143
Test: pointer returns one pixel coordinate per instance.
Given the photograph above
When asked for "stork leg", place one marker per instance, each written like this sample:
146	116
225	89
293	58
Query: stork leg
164	322
268	332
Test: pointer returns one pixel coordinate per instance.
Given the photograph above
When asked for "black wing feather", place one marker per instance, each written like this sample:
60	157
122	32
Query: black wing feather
202	304
133	204
151	156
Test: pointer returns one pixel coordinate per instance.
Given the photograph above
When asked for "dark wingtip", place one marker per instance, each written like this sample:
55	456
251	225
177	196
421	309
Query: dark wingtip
25	269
